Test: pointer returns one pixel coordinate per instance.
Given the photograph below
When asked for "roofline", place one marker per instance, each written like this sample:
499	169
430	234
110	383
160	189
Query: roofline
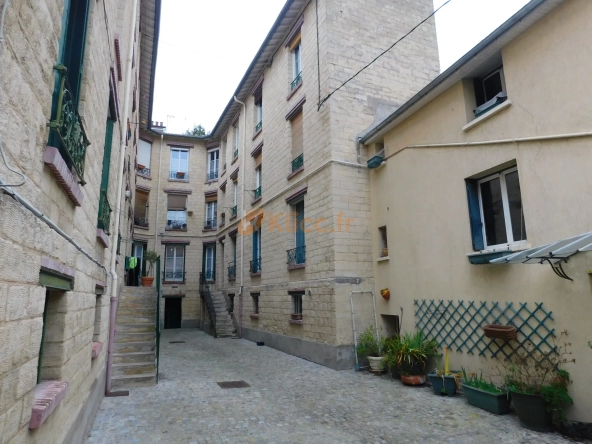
269	36
183	136
381	128
157	8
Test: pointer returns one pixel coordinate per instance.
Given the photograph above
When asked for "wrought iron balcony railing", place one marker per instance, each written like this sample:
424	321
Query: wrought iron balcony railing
259	126
210	275
211	223
255	265
297	80
223	168
176	225
104	219
257	192
233	211
143	171
235	154
297	256
141	221
298	162
178	175
68	127
232	270
212	175
174	275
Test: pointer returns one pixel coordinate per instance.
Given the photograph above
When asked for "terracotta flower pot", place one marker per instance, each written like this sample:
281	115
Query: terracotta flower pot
413	379
385	293
507	332
147	281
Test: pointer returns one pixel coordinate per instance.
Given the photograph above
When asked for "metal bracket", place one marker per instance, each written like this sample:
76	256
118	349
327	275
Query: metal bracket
557	268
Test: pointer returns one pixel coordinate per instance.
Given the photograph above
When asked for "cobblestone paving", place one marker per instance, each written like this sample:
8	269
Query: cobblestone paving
290	401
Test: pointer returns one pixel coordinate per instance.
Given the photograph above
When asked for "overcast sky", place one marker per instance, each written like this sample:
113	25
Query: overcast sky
199	66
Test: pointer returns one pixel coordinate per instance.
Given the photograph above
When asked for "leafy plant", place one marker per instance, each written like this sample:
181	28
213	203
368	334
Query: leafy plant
151	257
479	382
534	372
392	345
411	352
369	344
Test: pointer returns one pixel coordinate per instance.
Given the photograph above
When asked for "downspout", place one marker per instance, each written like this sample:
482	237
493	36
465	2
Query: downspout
242	187
119	188
157	194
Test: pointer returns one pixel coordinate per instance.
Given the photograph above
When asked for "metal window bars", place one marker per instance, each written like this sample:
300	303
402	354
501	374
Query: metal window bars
298	162
232	270
255	265
296	256
212	175
176	225
104	218
297	80
210	223
178	175
174	275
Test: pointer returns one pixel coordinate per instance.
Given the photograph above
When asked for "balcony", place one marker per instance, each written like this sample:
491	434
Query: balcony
297	81
259	126
174	276
210	275
233	212
223	168
210	224
298	163
232	270
255	266
141	222
257	193
176	225
178	175
235	154
296	256
104	219
68	127
212	175
143	171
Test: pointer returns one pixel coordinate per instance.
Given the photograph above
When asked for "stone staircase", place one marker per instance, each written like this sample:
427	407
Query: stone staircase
134	357
224	325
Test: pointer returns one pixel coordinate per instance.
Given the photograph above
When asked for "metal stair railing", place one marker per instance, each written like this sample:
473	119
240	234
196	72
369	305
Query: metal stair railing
204	290
158	296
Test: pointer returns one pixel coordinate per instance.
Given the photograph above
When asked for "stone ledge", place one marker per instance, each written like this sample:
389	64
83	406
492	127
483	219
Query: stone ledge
48	395
296	266
103	238
53	159
254	316
295	172
257	133
296	88
254	201
96	349
296	321
51	265
258	274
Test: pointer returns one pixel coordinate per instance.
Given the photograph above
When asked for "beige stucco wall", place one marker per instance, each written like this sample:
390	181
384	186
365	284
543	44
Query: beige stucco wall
420	194
30	51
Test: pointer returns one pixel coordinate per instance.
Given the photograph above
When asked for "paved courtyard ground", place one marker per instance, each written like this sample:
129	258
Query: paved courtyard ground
290	401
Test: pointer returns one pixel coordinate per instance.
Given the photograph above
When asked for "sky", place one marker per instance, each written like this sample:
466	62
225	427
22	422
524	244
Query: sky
205	47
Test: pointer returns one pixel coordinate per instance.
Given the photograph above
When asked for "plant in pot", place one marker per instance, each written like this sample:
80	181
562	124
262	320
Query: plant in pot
538	384
485	394
412	357
371	347
444	382
150	257
390	355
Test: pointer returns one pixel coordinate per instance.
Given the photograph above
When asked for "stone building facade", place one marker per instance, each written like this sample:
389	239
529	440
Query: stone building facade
70	102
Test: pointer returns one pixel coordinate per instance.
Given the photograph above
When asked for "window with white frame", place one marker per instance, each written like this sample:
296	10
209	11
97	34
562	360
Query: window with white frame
258	113
176	212
211	214
236	141
235	198
297	303
210	261
174	265
296	63
179	164
496	212
144	155
213	161
490	91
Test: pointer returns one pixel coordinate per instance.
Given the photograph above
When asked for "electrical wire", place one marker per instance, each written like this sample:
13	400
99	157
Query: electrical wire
383	53
4	9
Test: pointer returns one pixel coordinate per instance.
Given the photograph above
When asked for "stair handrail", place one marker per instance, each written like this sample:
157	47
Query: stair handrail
158	296
204	290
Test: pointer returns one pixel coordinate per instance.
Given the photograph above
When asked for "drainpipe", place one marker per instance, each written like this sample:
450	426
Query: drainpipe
114	278
242	187
158	194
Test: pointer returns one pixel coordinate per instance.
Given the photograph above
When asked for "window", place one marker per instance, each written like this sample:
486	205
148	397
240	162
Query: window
213	160
104	216
257	191
383	241
144	155
174	265
176	212
232	265
255	297
297	143
296	50
236	141
210	261
258	114
235	199
179	164
256	262
490	91
297	304
297	256
211	215
230	302
495	210
141	209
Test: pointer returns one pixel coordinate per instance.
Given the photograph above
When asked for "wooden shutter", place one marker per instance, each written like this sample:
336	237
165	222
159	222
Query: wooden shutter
299	208
258	159
475	215
107	155
141	203
297	136
212	197
176	202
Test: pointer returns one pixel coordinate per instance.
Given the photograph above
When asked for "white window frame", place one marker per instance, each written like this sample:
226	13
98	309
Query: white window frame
211	210
213	161
297	303
143	149
175	258
297	60
235	194
210	259
258	177
506	206
491	74
175	215
178	170
236	139
259	111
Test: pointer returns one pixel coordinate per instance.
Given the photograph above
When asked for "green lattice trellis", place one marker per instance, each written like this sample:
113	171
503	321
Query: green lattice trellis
459	325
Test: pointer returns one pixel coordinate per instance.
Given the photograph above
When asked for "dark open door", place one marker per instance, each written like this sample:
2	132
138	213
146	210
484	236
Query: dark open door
172	312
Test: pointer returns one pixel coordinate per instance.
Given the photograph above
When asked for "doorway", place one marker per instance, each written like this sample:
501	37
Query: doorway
140	270
172	312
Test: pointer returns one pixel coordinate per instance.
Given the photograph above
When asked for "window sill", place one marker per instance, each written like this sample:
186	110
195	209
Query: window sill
485	256
207	182
258	274
257	133
48	395
54	161
296	321
296	88
487	115
254	201
139	227
174	282
296	266
183	230
179	180
231	279
295	172
255	316
382	259
209	229
234	160
232	217
103	238
97	347
143	176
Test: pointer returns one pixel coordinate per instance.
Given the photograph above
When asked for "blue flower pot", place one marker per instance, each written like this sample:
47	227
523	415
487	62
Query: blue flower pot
443	385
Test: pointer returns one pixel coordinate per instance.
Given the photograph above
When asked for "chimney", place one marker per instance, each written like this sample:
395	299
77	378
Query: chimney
158	127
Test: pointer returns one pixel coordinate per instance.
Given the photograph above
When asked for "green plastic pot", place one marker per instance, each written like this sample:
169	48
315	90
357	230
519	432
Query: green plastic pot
498	403
532	412
443	386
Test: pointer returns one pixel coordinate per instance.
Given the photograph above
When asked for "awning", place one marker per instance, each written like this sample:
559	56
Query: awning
554	253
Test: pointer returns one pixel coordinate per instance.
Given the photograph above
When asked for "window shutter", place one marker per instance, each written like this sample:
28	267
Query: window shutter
258	160
176	202
299	207
475	215
297	136
107	155
255	245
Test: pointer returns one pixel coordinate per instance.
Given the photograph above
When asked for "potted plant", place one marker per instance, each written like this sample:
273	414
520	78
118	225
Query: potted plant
180	175
371	347
538	384
390	355
485	394
443	381
412	357
150	257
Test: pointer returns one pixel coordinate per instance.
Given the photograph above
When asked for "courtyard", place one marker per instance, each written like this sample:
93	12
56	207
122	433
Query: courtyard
289	400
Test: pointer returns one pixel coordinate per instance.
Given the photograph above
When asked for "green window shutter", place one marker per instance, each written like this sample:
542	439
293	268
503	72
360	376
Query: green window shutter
74	44
475	215
107	154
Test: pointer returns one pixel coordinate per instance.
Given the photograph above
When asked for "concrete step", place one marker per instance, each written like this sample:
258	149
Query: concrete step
134	337
134	357
132	319
138	290
134	368
136	327
124	311
131	381
135	347
136	305
226	335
